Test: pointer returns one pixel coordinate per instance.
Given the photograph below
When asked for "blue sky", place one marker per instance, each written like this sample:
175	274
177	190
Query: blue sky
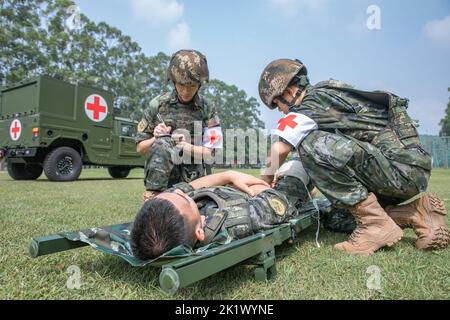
409	55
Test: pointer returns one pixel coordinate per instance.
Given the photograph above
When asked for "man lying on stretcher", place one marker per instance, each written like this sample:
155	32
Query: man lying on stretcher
205	210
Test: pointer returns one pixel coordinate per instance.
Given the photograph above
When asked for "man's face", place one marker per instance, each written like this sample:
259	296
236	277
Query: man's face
186	206
288	95
281	106
186	92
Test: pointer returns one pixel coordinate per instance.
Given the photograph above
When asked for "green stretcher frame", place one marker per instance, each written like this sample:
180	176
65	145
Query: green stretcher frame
258	250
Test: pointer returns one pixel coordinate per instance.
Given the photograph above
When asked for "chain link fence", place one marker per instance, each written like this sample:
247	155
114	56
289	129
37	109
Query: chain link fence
439	148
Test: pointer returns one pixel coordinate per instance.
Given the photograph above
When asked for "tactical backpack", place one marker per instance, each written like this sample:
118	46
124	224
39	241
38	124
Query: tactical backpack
399	141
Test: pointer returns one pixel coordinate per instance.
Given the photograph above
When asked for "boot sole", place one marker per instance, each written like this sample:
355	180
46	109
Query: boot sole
436	205
439	237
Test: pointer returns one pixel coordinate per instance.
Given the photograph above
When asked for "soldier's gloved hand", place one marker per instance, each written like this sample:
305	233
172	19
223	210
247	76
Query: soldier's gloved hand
161	130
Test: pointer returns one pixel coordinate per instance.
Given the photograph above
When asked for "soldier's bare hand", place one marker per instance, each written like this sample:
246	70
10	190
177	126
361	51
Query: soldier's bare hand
161	129
244	181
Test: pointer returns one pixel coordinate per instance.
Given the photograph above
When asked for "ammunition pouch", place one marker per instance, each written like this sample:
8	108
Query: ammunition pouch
400	140
401	123
236	220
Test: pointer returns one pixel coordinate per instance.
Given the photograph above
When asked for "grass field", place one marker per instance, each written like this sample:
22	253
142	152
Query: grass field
29	209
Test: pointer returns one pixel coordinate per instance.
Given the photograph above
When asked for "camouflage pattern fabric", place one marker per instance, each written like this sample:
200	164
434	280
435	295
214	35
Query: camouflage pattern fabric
244	216
177	115
335	219
188	67
266	211
160	171
115	240
365	142
276	77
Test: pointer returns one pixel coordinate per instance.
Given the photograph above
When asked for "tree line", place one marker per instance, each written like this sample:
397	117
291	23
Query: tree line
35	39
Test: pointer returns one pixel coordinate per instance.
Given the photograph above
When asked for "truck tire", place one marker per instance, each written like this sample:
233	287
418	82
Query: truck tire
22	171
119	172
63	164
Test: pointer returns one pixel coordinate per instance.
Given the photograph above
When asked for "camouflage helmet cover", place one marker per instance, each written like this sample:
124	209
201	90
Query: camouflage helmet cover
276	78
188	67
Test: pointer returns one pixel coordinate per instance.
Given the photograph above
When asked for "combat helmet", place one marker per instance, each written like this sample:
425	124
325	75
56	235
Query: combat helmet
277	76
188	67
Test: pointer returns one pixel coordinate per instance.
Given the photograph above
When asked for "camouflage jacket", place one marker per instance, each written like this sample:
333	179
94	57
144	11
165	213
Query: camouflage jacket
332	107
177	115
379	118
232	214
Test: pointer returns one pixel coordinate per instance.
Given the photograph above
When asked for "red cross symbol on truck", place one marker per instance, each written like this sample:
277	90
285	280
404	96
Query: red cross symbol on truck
287	122
15	130
96	108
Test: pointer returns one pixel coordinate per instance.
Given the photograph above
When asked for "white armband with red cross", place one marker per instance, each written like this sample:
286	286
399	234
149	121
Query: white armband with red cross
213	137
294	127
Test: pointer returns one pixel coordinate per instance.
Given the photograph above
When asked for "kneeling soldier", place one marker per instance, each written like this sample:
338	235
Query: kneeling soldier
361	150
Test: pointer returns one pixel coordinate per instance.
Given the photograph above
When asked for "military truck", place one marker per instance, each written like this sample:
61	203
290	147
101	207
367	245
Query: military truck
57	127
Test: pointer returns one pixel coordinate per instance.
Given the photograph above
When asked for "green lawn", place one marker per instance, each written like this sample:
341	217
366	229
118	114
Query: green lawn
29	209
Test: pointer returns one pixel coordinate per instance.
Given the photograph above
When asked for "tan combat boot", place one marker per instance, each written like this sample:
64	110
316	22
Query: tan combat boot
374	229
426	216
148	195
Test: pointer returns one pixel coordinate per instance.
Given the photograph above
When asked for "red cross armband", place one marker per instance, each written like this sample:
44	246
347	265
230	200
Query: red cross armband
294	127
213	138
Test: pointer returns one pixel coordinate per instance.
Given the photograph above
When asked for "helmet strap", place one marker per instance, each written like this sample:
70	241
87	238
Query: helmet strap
291	103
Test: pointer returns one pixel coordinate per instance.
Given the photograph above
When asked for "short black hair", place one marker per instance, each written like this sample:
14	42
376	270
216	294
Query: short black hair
158	227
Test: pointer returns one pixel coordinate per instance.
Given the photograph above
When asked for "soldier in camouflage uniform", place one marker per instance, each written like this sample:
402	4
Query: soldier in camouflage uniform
361	150
183	111
206	211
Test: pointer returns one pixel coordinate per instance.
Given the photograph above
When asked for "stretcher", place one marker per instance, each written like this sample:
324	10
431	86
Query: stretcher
182	266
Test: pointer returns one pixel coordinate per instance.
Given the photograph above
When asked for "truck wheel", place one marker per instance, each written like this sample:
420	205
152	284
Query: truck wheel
63	164
22	171
119	172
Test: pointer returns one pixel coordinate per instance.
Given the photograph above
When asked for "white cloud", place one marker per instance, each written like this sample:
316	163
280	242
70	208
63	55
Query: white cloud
438	31
292	7
156	12
179	37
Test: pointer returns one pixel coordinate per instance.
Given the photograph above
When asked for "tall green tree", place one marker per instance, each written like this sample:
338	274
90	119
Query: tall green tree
35	39
236	110
445	122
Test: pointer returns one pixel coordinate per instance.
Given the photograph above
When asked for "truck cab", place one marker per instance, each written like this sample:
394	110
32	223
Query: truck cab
51	126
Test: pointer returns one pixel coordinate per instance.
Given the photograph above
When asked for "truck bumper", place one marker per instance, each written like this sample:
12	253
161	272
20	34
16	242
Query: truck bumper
20	153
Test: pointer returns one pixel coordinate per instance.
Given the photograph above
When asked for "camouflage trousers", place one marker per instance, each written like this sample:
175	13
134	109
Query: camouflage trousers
162	172
346	170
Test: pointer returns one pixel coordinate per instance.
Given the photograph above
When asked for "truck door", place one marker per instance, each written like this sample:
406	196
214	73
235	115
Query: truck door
127	144
95	115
